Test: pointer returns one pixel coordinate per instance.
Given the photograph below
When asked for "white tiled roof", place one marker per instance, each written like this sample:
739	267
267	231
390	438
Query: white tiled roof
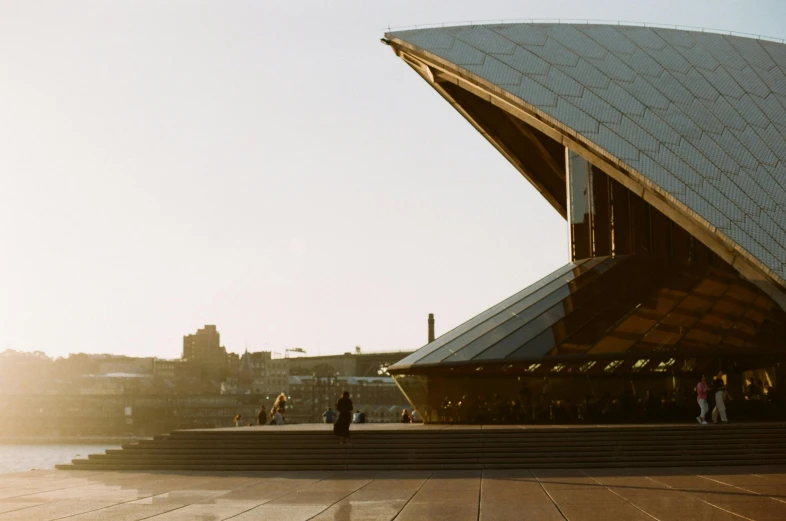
701	115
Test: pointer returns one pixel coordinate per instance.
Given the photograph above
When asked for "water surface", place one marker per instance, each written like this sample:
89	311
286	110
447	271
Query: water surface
17	458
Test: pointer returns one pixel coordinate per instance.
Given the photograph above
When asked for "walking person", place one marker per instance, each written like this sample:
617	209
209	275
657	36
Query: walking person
718	388
701	397
341	427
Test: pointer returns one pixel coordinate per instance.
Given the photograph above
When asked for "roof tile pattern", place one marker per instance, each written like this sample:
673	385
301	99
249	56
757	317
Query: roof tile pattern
701	115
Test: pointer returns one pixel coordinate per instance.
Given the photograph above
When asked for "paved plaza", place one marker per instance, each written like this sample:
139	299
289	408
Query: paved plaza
717	494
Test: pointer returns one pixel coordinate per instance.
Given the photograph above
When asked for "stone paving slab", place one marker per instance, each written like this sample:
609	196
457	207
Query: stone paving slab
662	494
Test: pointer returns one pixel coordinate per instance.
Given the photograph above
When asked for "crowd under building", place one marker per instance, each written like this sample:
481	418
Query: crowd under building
665	151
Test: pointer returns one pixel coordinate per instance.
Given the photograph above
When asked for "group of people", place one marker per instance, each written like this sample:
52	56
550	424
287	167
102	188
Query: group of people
716	390
264	417
344	407
410	417
276	414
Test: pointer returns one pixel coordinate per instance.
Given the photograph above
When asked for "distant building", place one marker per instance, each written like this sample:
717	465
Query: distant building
205	350
348	364
258	373
277	375
124	364
164	368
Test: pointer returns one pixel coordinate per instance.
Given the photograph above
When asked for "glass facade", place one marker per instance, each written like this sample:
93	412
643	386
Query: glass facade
622	333
586	397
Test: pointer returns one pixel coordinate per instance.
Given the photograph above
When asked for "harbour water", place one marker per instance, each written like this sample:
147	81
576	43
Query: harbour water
18	458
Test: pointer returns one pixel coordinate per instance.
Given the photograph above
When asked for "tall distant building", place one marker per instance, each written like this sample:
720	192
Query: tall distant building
204	348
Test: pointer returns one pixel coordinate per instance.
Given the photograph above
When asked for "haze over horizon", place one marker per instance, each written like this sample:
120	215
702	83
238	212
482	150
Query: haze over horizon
270	169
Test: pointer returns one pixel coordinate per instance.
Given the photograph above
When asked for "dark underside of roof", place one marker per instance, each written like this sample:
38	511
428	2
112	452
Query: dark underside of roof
627	309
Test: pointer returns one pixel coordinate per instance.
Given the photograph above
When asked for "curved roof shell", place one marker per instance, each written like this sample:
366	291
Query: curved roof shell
697	118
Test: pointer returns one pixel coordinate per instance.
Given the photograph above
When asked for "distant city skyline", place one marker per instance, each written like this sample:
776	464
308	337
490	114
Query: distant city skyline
270	169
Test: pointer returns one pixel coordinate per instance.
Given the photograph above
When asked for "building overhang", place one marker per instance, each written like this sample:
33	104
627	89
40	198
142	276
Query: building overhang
534	143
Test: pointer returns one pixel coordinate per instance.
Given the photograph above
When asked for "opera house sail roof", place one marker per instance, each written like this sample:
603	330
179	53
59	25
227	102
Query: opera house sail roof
687	127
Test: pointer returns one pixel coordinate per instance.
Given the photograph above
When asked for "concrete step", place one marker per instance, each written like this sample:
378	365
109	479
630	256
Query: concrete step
373	448
409	448
712	431
448	435
485	439
445	452
510	464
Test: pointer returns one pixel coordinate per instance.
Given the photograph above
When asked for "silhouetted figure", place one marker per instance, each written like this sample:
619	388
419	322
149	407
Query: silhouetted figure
328	416
405	417
718	388
341	427
701	398
262	416
771	395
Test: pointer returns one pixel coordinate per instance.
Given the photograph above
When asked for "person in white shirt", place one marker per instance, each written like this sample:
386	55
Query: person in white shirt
718	389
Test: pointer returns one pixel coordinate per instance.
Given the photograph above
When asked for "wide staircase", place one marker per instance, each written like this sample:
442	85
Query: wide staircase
432	448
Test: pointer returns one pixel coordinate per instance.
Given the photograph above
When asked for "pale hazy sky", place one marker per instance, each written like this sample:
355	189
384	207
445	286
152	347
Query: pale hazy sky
268	167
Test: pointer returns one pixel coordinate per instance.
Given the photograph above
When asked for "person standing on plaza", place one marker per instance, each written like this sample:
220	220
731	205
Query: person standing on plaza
278	418
701	397
405	417
262	416
281	403
341	427
718	388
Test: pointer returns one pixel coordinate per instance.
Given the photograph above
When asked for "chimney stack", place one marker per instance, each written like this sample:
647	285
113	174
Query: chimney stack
430	327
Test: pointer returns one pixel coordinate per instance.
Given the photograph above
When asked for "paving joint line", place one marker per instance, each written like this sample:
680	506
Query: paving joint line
43	492
741	488
413	495
342	499
631	503
269	500
781	469
702	500
206	480
549	496
480	492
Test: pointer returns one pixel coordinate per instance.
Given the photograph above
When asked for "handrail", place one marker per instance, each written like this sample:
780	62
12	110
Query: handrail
586	21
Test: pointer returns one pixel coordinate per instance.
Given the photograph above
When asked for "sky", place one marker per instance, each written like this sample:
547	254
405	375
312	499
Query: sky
267	167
